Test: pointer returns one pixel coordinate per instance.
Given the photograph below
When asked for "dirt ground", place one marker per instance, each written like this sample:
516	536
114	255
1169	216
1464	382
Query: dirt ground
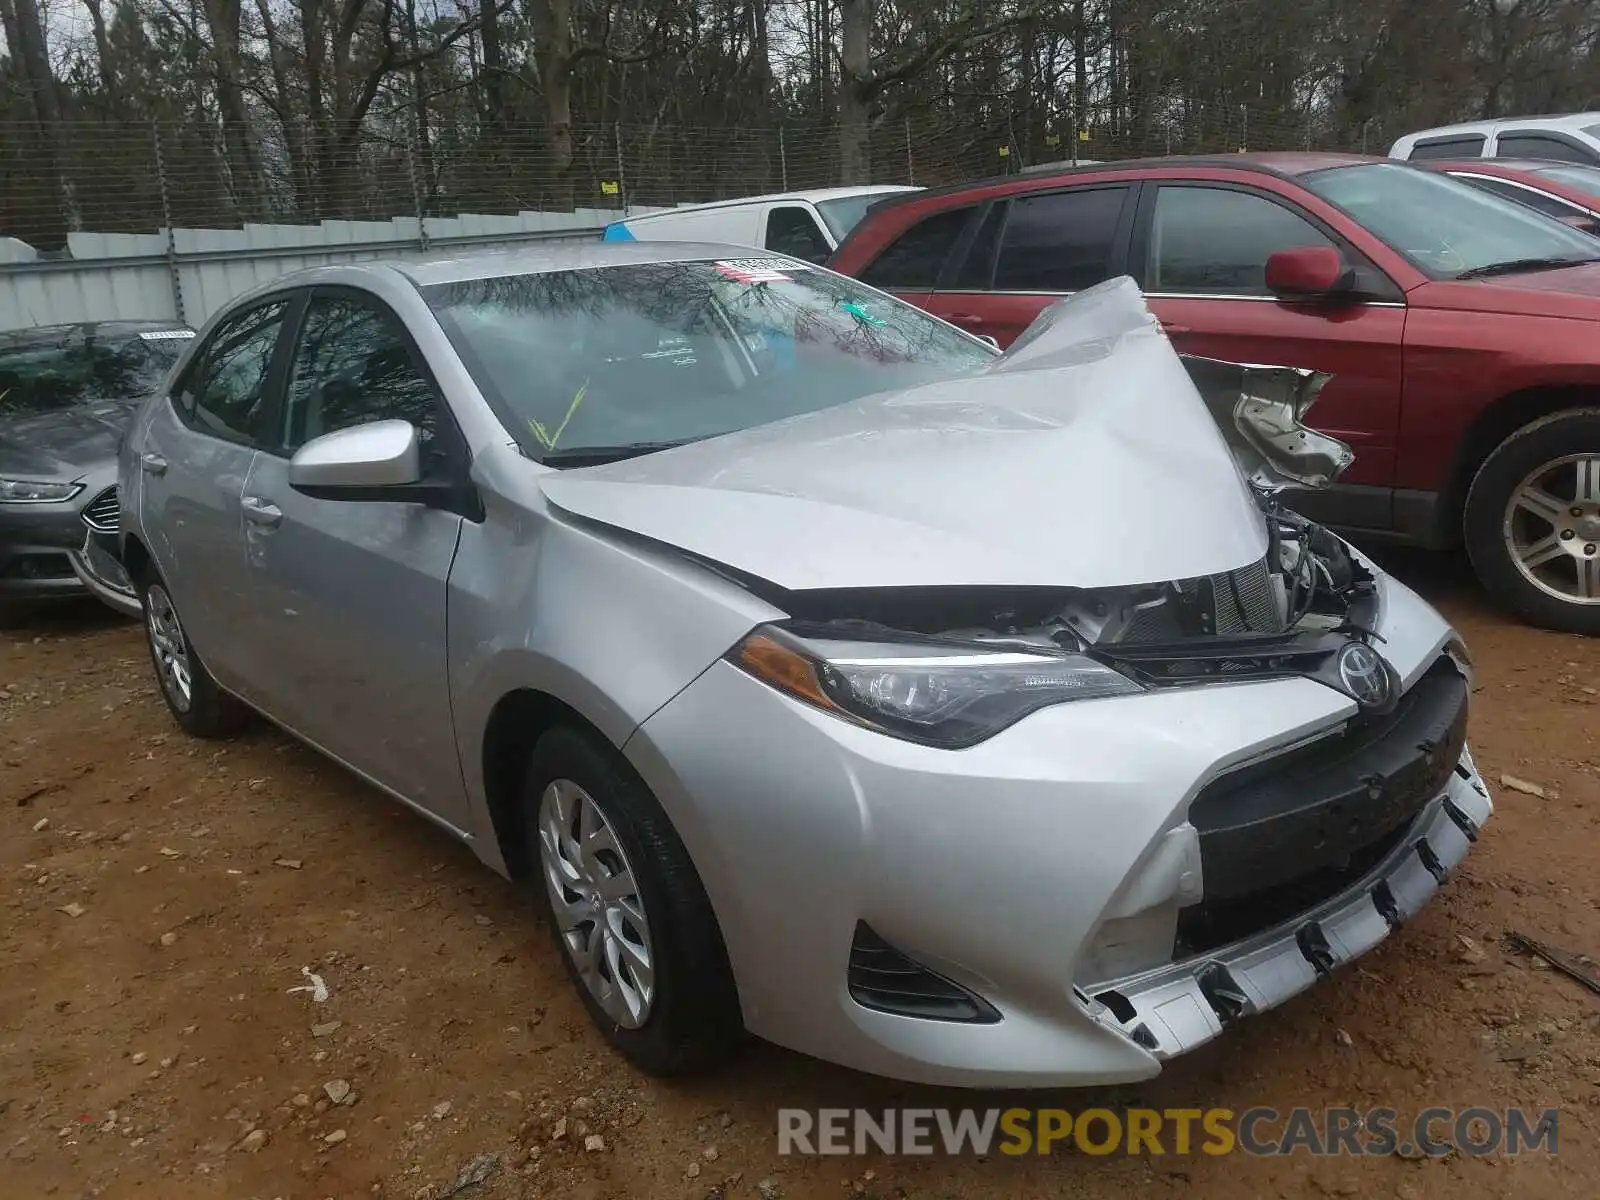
162	897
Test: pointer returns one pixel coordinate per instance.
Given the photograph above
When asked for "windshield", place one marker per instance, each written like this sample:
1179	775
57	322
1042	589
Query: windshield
845	213
632	358
1446	227
1585	179
39	375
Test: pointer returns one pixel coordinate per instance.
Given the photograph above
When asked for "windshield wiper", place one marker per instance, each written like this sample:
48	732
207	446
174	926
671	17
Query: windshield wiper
594	456
1514	265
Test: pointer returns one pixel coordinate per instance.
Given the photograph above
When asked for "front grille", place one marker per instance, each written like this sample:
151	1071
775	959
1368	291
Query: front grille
102	513
883	979
1278	836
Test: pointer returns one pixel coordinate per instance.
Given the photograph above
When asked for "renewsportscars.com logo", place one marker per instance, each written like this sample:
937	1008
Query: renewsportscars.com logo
1432	1133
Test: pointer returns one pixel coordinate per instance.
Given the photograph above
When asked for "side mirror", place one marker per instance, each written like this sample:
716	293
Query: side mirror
364	462
1309	273
1582	222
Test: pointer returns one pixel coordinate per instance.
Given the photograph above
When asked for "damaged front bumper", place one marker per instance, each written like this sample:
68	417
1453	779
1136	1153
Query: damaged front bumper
1175	1008
1031	890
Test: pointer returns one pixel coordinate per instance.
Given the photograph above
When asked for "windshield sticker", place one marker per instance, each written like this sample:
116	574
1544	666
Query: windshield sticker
757	270
549	439
860	313
168	335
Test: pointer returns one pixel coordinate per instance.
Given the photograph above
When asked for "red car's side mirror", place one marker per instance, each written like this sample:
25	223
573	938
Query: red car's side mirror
1582	222
1309	273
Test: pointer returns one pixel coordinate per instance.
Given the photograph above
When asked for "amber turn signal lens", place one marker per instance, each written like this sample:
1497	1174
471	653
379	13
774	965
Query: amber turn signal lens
785	669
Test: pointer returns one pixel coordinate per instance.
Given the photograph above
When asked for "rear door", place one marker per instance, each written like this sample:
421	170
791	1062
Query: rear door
1026	252
196	454
349	596
1201	250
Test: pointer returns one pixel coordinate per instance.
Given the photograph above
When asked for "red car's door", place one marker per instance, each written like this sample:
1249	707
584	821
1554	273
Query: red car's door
1200	251
1028	252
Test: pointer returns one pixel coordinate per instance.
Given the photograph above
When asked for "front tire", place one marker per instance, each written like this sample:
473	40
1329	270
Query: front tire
1532	524
193	697
632	921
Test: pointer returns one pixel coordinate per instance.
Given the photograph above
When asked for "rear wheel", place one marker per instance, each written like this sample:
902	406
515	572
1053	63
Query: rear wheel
634	926
192	696
1533	521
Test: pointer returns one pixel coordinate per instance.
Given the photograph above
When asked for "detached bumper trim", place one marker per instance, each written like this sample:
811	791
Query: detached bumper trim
100	583
1178	1007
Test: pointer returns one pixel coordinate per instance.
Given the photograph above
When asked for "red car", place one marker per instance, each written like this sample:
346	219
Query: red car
1462	330
1569	192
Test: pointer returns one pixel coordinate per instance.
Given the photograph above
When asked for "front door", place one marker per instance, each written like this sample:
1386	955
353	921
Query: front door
1202	251
350	595
197	451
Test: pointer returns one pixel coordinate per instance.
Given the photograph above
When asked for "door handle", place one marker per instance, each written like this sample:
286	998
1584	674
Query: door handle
152	464
967	319
1174	327
258	512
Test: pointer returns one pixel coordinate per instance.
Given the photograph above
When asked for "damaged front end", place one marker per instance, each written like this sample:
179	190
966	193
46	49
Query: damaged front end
1276	870
1294	611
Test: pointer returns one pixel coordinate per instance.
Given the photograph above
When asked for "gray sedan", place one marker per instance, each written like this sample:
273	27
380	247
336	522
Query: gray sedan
963	717
67	393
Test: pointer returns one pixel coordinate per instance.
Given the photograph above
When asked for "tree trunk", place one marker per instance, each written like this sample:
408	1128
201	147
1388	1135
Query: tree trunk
494	101
318	135
553	48
102	54
59	214
1080	73
222	17
8	26
855	77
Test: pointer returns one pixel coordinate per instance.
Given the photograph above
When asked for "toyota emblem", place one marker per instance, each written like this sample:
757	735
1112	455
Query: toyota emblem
1364	675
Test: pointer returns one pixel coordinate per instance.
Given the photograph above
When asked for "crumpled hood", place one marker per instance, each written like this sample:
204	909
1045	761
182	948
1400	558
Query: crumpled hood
63	445
1083	457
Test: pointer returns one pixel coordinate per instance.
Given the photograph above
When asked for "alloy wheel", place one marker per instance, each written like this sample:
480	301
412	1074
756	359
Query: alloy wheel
597	907
169	647
1552	528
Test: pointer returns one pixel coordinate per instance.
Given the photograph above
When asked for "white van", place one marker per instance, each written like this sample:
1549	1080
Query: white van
1574	137
805	225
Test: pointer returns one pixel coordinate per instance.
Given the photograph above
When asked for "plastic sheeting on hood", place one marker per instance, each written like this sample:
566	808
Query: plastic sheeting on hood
1084	457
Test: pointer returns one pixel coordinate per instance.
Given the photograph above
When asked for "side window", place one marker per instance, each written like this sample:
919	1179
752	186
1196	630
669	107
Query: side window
977	271
1465	146
353	365
1059	242
1538	145
914	260
1215	240
1546	204
227	394
792	231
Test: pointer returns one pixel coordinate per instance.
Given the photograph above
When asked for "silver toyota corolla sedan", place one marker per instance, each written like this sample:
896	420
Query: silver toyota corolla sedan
968	718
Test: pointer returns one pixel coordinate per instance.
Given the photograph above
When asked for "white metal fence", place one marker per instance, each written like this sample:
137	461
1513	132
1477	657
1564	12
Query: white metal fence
187	274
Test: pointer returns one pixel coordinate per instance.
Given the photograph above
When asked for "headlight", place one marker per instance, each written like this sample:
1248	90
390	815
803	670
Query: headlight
941	695
25	491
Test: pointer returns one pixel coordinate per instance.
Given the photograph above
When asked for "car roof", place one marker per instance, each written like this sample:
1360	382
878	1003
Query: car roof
46	335
544	257
1280	163
1525	166
814	195
1580	120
